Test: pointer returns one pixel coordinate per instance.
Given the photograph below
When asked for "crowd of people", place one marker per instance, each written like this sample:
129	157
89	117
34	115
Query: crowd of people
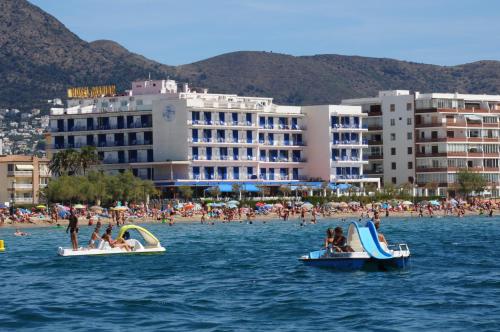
169	211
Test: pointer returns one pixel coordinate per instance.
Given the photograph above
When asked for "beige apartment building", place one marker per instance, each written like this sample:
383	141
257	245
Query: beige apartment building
21	178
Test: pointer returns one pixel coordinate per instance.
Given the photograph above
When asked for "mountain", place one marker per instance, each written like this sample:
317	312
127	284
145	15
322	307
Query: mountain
40	58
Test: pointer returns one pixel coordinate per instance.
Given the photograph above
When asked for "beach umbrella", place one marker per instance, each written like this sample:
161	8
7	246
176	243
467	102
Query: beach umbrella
79	206
232	206
307	205
96	208
41	206
278	205
407	203
188	206
354	203
259	204
233	202
369	205
268	206
434	203
343	204
120	208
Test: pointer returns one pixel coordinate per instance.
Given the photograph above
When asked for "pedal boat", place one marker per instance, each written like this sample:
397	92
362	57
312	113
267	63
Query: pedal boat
369	253
149	244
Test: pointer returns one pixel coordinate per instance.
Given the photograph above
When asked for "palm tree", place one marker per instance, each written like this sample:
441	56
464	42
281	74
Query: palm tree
64	162
88	157
237	188
285	190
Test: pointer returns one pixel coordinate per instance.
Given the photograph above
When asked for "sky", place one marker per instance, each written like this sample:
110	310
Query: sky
444	32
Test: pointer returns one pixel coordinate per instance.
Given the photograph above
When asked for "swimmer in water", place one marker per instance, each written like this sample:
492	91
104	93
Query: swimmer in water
19	233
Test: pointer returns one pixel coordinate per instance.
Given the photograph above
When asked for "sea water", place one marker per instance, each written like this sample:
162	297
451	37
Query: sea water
247	277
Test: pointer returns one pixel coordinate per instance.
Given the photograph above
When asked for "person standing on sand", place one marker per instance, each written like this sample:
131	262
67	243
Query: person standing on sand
73	228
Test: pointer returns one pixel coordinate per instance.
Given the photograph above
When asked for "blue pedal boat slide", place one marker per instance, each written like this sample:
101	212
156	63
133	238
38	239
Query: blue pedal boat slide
369	253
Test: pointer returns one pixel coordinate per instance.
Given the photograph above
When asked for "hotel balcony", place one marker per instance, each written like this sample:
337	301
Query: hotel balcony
375	142
347	159
376	156
213	123
375	128
74	129
23	186
375	113
347	177
221	158
281	127
19	174
282	160
23	200
222	141
90	109
101	145
350	142
348	127
454	110
431	155
438	169
373	172
280	143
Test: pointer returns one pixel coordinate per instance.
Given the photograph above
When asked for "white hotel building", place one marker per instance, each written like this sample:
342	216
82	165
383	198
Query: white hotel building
203	139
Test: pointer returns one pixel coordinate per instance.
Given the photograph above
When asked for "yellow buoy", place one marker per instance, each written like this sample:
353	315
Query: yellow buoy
2	247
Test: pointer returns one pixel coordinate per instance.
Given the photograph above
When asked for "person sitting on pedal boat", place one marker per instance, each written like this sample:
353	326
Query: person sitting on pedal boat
118	243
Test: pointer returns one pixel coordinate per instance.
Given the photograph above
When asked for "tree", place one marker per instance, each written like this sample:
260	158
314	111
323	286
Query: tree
325	186
237	188
469	182
186	192
214	192
264	190
88	157
285	190
70	162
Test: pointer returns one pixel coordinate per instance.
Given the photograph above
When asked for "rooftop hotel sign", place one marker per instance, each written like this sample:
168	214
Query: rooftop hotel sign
92	92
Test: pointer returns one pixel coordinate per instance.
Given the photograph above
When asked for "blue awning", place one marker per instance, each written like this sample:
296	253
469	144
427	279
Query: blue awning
343	186
251	188
223	188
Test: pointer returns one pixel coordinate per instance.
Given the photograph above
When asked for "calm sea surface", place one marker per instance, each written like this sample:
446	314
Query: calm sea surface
246	277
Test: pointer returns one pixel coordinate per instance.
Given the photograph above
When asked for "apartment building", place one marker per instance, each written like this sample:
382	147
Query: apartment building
456	131
390	136
21	178
197	138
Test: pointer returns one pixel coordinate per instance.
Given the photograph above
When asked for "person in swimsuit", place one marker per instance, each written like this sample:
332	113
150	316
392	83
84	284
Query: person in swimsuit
95	235
381	237
19	233
340	241
118	243
73	228
330	235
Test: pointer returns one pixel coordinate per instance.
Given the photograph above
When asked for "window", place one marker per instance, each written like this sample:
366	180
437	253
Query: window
410	150
393	122
10	167
408	121
392	107
411	179
393	165
409	106
409	136
393	137
393	151
393	180
410	165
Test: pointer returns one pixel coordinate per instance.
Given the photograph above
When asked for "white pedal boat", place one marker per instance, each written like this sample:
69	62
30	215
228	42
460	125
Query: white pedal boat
150	244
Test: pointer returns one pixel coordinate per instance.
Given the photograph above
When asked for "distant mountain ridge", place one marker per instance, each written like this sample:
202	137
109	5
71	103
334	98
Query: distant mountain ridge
40	58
